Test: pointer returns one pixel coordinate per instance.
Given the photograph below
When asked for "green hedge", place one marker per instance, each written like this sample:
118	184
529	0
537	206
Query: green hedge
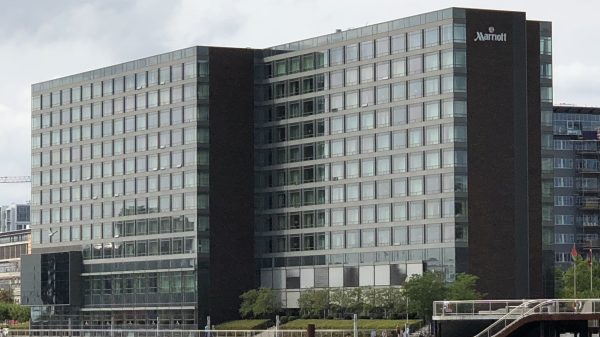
341	324
244	324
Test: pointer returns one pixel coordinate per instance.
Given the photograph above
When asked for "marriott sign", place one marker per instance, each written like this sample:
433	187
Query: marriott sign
490	36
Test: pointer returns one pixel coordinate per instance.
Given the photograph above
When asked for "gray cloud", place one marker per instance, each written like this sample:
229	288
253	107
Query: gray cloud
41	40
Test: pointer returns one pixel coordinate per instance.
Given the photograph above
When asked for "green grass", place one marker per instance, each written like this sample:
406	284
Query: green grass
244	324
340	324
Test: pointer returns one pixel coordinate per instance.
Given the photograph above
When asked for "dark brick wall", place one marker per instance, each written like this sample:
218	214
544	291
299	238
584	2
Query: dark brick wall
497	159
231	265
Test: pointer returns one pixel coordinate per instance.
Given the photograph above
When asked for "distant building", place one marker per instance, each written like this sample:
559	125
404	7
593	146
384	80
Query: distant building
12	246
15	217
576	186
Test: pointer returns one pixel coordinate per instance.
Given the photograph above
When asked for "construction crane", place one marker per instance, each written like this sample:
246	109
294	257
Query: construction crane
15	179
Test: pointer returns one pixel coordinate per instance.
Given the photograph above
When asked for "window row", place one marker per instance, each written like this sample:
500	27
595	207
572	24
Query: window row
116	188
366	120
363	238
416	112
139	122
118	167
366	50
109	230
128	145
140	283
381	190
181	245
120	84
366	167
368	144
397	91
367	73
358	215
107	209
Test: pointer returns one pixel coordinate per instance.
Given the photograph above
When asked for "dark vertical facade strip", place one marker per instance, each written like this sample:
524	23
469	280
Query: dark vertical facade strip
534	160
231	101
521	224
497	183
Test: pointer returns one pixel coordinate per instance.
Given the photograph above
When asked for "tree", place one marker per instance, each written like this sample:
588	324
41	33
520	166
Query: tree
463	288
266	303
392	301
338	300
579	272
422	290
259	303
314	302
248	299
6	296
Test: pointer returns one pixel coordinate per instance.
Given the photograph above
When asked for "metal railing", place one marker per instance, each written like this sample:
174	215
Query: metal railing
107	332
482	309
543	307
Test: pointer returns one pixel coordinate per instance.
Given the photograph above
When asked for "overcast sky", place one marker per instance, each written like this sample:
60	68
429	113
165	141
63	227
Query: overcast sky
41	40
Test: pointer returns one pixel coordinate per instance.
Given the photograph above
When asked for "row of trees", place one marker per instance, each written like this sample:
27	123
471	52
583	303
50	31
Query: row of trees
415	297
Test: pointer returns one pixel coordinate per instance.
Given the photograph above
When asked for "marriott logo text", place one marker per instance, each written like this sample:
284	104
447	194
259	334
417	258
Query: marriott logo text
490	37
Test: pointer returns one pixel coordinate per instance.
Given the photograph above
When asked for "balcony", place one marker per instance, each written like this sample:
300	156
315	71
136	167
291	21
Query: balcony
589	204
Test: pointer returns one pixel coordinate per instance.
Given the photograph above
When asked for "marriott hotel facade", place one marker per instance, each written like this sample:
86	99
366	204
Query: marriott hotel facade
165	187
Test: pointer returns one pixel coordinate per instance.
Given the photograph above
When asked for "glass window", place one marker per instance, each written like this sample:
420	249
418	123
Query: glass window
399	139
366	73
415	40
383	70
415	64
383	117
367	120
399	67
366	50
351	122
382	46
336	79
432	184
415	137
432	159
383	94
351	76
400	234
415	88
432	86
432	36
432	61
352	99
398	91
368	190
415	186
432	110
351	53
383	141
336	56
399	187
398	43
367	167
383	165
367	144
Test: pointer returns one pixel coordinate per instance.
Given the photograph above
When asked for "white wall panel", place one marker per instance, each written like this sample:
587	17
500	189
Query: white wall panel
336	277
366	276
382	275
307	278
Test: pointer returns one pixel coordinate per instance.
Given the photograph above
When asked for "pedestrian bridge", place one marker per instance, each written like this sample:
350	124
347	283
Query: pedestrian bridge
512	318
